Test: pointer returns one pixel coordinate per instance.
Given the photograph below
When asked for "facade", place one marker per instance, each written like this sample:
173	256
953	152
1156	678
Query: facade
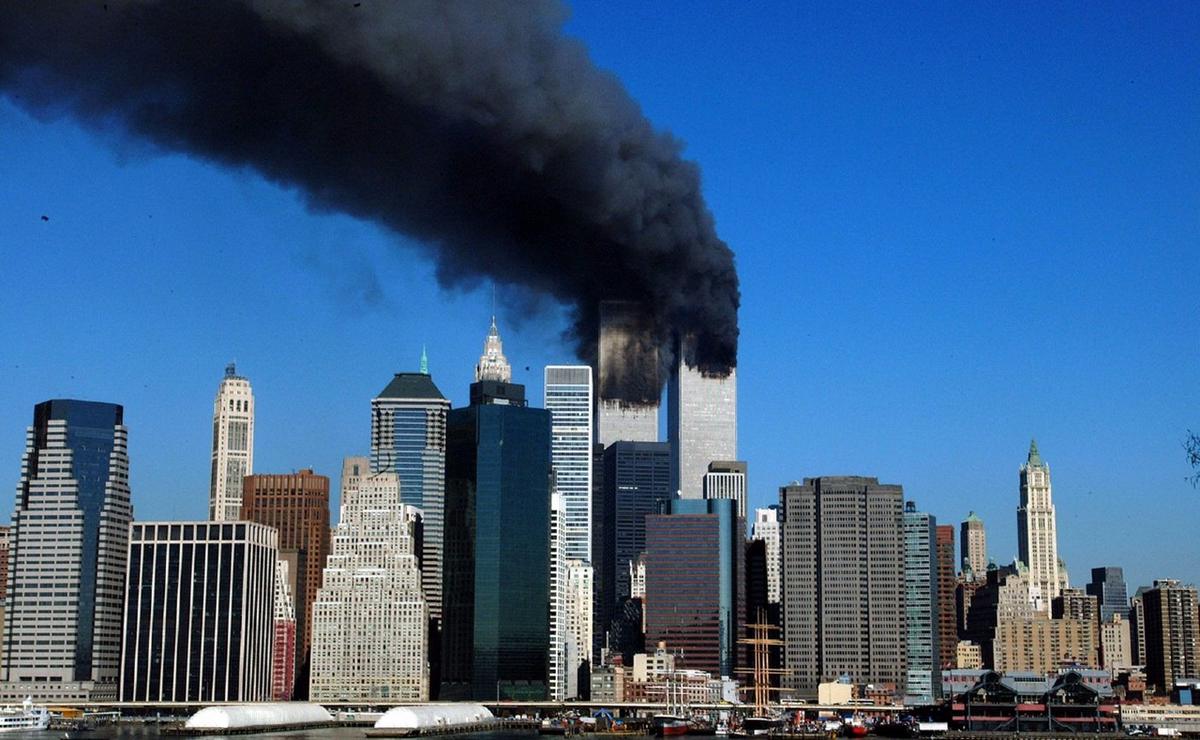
408	438
1137	626
760	610
766	528
200	613
1172	644
232	445
727	479
496	629
947	615
1116	649
701	422
67	555
297	506
923	659
627	375
560	634
636	483
370	639
1108	586
1037	531
695	583
1041	644
5	538
283	647
843	583
1073	603
568	398
974	546
578	613
969	656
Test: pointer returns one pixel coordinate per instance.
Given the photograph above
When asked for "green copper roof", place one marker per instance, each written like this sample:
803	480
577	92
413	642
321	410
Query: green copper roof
411	385
973	517
424	361
1034	457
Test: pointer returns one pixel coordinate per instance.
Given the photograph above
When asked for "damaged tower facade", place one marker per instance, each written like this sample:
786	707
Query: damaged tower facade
628	377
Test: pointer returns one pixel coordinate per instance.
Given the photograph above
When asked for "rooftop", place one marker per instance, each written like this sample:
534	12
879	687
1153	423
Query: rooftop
411	385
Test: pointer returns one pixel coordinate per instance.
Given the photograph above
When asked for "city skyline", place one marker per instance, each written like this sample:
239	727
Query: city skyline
1107	392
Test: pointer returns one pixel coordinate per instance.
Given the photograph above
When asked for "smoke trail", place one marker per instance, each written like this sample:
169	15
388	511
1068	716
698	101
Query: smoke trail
476	127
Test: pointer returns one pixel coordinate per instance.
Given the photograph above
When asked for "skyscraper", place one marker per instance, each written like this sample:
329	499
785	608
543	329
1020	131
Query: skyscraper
923	676
558	599
408	438
370	638
947	613
766	528
232	446
568	398
297	506
637	482
493	365
974	546
1037	533
496	632
726	479
1172	634
200	612
701	422
1108	586
695	583
70	540
283	648
628	381
843	582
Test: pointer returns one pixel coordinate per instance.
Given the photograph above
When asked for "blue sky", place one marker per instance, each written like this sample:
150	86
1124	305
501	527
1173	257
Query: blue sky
956	229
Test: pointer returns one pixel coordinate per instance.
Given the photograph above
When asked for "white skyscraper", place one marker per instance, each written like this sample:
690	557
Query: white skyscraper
1037	532
370	637
67	555
568	398
727	479
558	599
579	613
233	446
701	423
766	528
493	365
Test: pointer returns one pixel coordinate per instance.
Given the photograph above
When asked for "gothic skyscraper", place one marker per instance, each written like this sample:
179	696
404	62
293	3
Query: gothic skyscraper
233	446
493	365
1037	533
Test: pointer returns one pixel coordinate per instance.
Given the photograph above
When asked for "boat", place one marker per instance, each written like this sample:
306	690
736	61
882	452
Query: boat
896	728
24	717
855	727
666	725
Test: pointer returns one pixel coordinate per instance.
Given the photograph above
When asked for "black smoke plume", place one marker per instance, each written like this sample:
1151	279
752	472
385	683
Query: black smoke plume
476	127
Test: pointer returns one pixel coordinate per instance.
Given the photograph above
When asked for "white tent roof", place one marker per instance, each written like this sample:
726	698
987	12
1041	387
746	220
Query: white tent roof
237	716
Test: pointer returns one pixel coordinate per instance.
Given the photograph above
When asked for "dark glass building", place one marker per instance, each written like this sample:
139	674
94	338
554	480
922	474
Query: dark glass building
636	481
199	617
1108	586
69	544
695	583
496	571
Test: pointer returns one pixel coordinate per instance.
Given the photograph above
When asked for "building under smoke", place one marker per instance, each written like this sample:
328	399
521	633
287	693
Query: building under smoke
701	420
628	373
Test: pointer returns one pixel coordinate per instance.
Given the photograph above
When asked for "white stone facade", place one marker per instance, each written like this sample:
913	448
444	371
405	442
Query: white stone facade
370	638
1038	533
232	446
558	600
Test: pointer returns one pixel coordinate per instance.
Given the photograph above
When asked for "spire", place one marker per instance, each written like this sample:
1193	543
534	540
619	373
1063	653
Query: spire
1034	457
424	368
231	370
493	365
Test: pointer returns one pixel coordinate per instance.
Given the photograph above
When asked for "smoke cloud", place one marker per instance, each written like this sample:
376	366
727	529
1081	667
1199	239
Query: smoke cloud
476	127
